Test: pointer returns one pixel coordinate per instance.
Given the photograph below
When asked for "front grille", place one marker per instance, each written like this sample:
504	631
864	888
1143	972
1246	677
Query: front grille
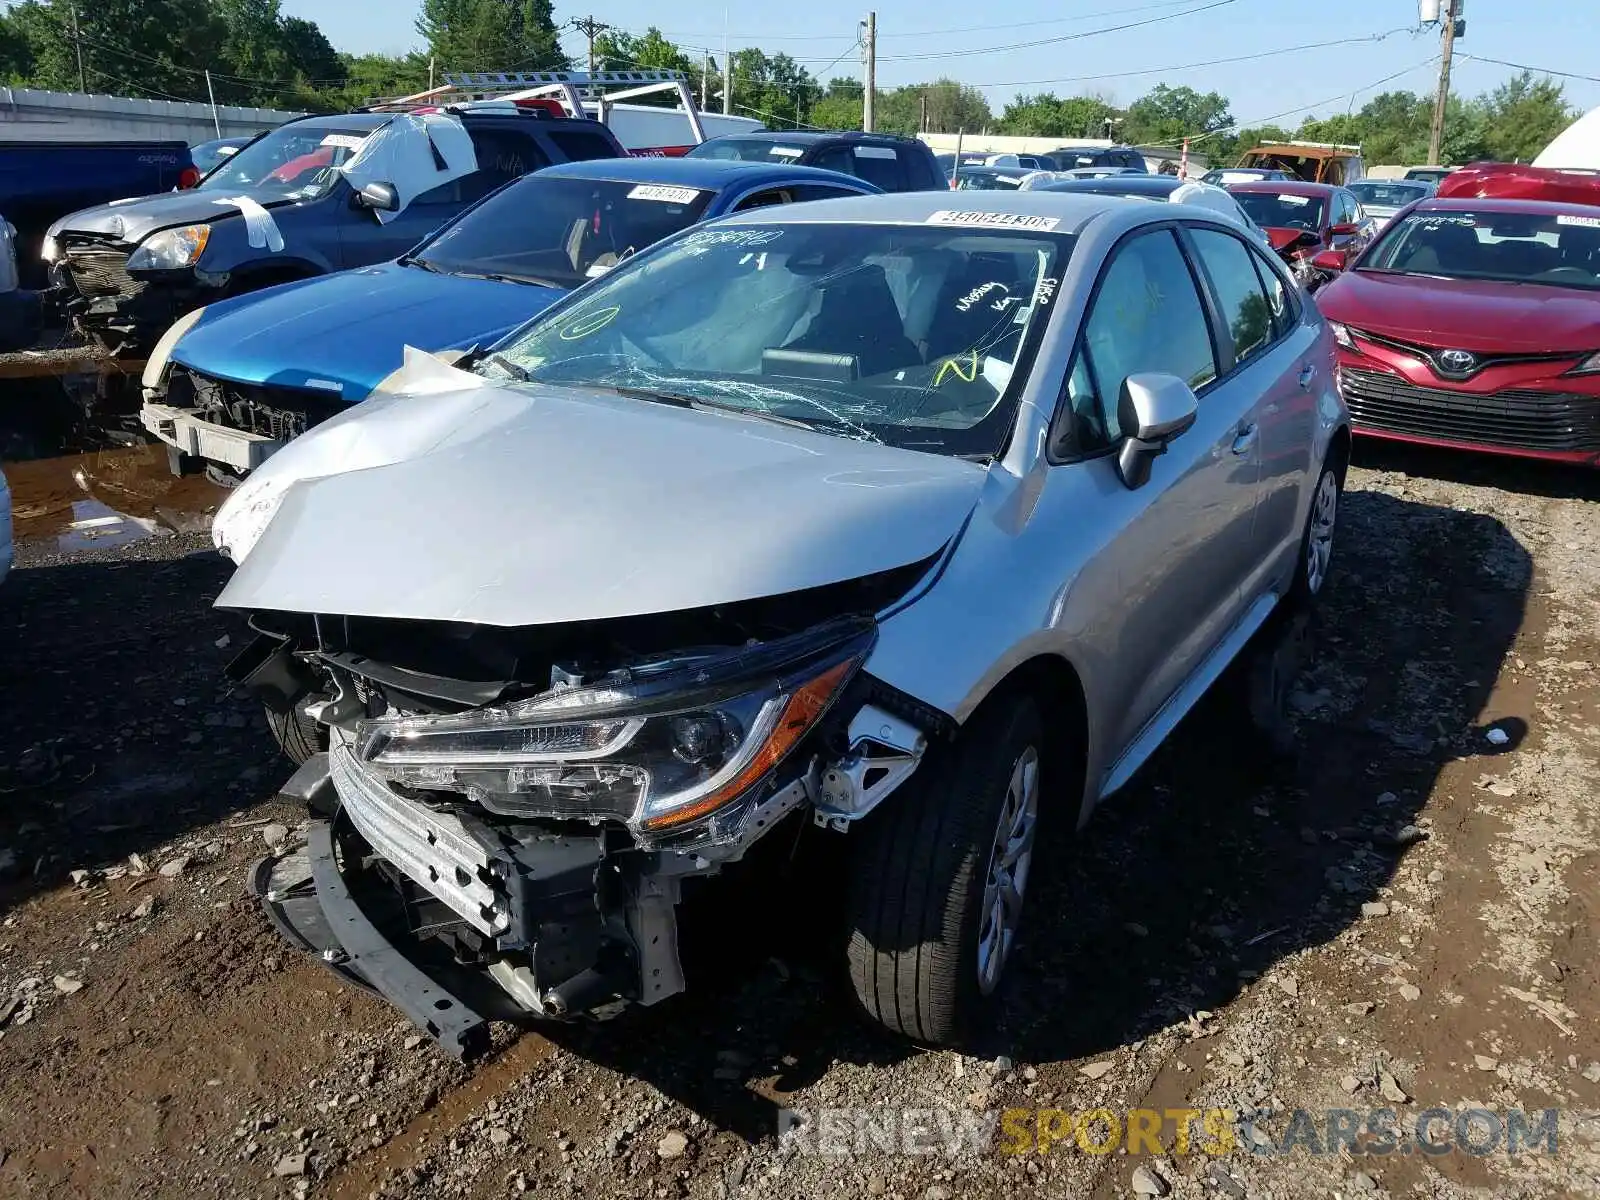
1430	355
101	269
268	410
1517	419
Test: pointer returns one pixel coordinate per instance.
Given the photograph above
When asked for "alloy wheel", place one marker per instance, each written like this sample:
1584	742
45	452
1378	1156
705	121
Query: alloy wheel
1319	538
1009	860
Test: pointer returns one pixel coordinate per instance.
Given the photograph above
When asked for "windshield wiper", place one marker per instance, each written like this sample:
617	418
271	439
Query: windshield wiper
516	371
500	277
680	400
411	260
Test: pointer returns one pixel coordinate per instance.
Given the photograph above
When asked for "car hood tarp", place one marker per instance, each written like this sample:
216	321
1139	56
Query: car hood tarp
1464	314
537	505
134	220
348	328
1577	147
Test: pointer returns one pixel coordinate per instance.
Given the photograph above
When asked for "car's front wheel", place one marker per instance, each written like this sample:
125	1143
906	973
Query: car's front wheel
1316	543
940	875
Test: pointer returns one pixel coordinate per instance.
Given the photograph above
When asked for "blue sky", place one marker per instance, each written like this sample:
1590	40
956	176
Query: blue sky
1320	81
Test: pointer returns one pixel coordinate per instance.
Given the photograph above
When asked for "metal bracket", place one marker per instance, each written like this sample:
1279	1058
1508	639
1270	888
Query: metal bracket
884	752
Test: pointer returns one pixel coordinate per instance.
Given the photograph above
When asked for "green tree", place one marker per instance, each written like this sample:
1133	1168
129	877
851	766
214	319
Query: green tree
950	106
1168	115
16	50
617	51
1522	116
1046	115
774	88
311	55
130	47
491	35
840	106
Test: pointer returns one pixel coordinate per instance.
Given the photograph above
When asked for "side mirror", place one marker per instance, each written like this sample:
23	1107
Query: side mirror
379	196
1152	410
1344	230
1331	260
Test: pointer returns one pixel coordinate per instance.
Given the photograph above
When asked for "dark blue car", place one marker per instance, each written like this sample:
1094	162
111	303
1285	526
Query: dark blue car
232	382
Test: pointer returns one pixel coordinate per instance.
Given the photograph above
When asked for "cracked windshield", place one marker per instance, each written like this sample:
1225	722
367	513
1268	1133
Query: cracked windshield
918	336
300	162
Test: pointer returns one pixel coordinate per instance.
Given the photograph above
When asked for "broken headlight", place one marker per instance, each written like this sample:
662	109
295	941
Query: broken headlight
656	749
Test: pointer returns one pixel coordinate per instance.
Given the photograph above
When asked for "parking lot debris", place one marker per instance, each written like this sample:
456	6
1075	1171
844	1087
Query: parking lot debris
1410	991
1217	1175
275	835
67	985
144	908
1592	1072
1351	1084
1375	908
1362	1182
137	865
1289	985
290	1166
1498	737
174	867
1391	1089
1147	1183
1095	1070
1484	1063
80	877
674	1144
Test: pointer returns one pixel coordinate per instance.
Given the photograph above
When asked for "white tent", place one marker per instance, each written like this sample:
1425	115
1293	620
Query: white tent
1575	148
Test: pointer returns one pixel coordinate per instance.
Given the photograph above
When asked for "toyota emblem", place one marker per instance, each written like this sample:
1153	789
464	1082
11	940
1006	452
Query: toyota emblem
1457	362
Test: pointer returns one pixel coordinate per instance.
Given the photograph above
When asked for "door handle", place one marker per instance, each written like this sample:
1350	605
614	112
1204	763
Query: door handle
1245	439
1307	374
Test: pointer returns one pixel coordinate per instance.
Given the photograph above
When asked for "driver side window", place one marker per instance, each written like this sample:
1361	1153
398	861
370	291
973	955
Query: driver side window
1146	316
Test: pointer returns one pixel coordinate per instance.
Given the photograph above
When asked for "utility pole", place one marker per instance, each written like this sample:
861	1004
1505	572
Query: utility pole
210	91
432	63
869	56
591	29
922	121
77	43
727	79
1447	18
705	84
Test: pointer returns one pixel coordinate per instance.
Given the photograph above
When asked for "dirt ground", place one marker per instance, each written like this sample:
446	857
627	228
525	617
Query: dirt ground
1401	914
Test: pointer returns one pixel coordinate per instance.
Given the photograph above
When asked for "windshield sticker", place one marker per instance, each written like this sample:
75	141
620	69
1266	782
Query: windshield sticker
786	152
1294	201
667	195
1585	222
590	323
874	151
954	366
993	220
349	141
1436	219
705	239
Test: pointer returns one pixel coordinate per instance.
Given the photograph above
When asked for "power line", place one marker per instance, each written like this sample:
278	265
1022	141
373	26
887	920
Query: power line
822	37
1235	126
1051	41
1535	70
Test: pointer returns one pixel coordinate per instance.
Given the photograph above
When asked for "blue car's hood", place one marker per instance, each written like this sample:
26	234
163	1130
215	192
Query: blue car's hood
349	328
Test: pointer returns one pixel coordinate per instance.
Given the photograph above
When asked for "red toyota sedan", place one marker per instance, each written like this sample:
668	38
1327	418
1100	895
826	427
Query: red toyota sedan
1476	323
1304	219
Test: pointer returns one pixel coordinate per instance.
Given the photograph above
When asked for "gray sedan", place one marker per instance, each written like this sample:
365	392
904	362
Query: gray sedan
903	523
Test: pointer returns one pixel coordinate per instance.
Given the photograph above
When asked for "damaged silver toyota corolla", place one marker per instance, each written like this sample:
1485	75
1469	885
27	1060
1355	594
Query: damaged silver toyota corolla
916	519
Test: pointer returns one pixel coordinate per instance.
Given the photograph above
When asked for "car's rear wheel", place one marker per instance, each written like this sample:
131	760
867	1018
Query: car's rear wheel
1316	543
939	878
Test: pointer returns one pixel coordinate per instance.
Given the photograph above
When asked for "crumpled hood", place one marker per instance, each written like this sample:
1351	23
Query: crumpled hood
1480	315
350	327
134	220
537	505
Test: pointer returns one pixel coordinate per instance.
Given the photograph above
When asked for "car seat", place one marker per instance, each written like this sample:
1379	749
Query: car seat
1444	249
857	315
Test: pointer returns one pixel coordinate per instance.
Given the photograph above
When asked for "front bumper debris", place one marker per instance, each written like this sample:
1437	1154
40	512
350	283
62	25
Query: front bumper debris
187	432
307	899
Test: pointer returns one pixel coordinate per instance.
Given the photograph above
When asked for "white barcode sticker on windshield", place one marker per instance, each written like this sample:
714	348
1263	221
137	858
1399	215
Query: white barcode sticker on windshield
1294	201
349	141
1586	222
785	152
993	220
667	195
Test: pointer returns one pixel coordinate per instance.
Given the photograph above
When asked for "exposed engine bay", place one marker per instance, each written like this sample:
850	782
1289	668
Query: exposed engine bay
524	805
278	413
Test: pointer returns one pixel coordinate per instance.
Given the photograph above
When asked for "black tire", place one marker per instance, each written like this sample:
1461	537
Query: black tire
918	878
1305	589
297	735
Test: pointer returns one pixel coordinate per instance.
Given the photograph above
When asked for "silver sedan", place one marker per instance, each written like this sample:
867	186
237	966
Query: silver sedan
908	521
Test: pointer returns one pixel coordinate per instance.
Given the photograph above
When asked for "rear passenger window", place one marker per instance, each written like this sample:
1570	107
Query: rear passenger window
1146	316
880	165
580	146
1279	299
921	174
502	156
1245	308
818	191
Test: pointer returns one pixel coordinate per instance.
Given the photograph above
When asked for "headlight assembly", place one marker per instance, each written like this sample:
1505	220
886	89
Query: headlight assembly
170	249
656	751
1589	366
50	250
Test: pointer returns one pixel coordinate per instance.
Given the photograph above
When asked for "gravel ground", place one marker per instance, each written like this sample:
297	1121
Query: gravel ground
1401	913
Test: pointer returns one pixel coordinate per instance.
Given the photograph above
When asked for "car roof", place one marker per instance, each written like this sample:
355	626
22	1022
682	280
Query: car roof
811	137
1130	184
1071	212
1285	187
708	174
1537	208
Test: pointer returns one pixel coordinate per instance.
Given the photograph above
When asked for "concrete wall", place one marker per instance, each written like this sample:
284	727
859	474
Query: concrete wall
27	115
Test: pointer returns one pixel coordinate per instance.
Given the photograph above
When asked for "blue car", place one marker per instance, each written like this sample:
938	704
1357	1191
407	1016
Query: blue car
230	383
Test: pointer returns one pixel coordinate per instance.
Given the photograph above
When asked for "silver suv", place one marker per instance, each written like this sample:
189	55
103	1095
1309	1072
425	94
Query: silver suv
906	521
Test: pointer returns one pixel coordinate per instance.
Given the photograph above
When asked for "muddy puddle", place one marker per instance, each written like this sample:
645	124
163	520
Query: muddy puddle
82	476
